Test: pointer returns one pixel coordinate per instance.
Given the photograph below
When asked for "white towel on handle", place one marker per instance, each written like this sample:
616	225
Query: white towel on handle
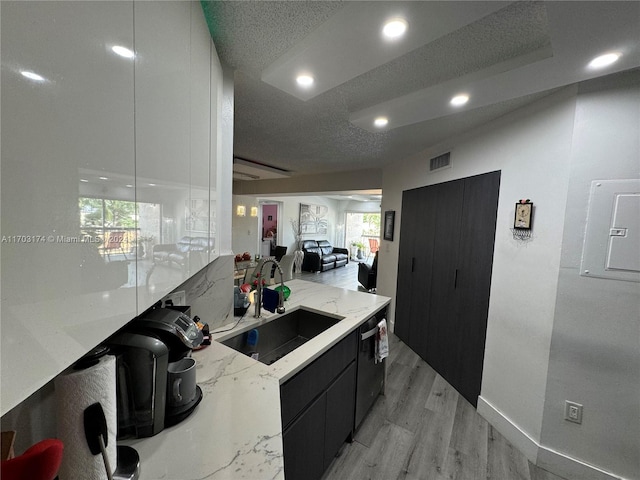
382	341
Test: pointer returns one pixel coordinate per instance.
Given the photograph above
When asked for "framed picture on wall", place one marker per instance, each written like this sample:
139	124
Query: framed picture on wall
313	219
389	217
523	215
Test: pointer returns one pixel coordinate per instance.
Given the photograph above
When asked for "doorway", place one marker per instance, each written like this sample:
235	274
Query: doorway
362	234
270	234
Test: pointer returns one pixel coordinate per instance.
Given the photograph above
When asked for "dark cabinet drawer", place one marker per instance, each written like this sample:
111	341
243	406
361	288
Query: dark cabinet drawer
299	391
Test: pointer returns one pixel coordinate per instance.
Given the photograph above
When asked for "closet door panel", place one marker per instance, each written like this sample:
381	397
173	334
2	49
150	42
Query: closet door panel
425	231
406	263
442	334
474	280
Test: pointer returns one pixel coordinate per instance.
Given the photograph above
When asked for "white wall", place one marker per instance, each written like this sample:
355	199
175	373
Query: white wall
246	229
595	347
531	148
536	149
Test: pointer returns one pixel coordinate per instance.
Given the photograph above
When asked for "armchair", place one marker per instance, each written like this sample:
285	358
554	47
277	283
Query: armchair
368	274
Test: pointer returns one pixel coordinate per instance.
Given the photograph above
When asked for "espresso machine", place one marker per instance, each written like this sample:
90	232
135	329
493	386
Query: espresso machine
155	383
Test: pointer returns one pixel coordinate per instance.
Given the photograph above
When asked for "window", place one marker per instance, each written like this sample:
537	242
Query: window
103	218
360	228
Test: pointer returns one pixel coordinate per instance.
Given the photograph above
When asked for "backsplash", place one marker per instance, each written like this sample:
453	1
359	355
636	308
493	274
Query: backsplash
210	295
210	292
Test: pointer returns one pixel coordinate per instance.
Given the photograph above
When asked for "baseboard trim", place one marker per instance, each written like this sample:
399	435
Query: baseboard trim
569	467
514	434
551	460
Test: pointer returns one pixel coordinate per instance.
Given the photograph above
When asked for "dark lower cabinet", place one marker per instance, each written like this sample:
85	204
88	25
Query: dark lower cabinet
303	443
340	413
318	411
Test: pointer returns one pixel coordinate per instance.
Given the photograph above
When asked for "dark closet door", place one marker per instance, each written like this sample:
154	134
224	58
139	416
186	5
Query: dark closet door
475	262
406	266
442	329
444	276
417	238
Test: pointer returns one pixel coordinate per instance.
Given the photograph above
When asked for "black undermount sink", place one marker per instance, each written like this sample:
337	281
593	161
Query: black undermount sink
283	334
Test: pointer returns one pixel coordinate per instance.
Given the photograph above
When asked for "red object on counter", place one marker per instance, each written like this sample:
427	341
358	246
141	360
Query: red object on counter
39	462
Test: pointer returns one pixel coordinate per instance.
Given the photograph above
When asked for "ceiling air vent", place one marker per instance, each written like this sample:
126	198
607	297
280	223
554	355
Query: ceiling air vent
441	161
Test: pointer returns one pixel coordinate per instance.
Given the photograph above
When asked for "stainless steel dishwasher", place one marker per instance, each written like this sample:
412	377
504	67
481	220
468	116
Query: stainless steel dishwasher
370	374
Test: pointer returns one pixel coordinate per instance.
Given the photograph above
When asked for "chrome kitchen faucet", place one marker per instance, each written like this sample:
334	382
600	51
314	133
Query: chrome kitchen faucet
280	308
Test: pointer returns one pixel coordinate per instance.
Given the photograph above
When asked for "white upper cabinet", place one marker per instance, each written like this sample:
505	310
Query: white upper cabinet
172	85
105	158
162	80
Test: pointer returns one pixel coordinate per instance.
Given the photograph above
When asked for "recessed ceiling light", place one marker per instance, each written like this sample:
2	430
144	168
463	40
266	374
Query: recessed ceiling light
84	180
604	60
152	184
395	28
32	76
304	80
103	178
128	185
381	122
123	51
459	100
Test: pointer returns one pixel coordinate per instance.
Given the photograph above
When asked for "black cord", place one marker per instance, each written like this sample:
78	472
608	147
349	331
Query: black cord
239	320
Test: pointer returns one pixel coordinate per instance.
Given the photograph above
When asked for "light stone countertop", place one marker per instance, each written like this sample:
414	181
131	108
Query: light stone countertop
235	432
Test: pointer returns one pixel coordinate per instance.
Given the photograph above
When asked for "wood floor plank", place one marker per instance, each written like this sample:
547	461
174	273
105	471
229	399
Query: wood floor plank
429	455
538	473
470	434
459	465
443	397
503	460
398	377
386	456
349	463
383	460
409	410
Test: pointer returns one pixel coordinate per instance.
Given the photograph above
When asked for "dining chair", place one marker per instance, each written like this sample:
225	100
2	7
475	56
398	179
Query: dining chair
374	246
251	277
114	241
286	264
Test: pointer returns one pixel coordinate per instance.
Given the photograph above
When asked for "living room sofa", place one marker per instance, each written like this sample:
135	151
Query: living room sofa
320	256
178	254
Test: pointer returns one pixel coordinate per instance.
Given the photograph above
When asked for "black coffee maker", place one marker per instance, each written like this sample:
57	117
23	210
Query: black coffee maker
145	350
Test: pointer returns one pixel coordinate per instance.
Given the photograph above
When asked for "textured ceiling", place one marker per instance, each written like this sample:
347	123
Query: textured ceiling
498	54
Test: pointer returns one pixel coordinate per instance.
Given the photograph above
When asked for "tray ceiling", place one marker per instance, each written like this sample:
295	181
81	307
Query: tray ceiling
503	55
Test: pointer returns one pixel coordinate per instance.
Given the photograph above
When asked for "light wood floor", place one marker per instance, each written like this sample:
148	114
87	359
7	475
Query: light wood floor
342	277
422	429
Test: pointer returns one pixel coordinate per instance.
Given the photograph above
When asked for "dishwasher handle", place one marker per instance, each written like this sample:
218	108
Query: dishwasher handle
369	334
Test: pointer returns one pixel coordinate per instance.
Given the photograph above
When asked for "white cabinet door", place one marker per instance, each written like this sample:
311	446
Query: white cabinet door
172	78
67	136
202	196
